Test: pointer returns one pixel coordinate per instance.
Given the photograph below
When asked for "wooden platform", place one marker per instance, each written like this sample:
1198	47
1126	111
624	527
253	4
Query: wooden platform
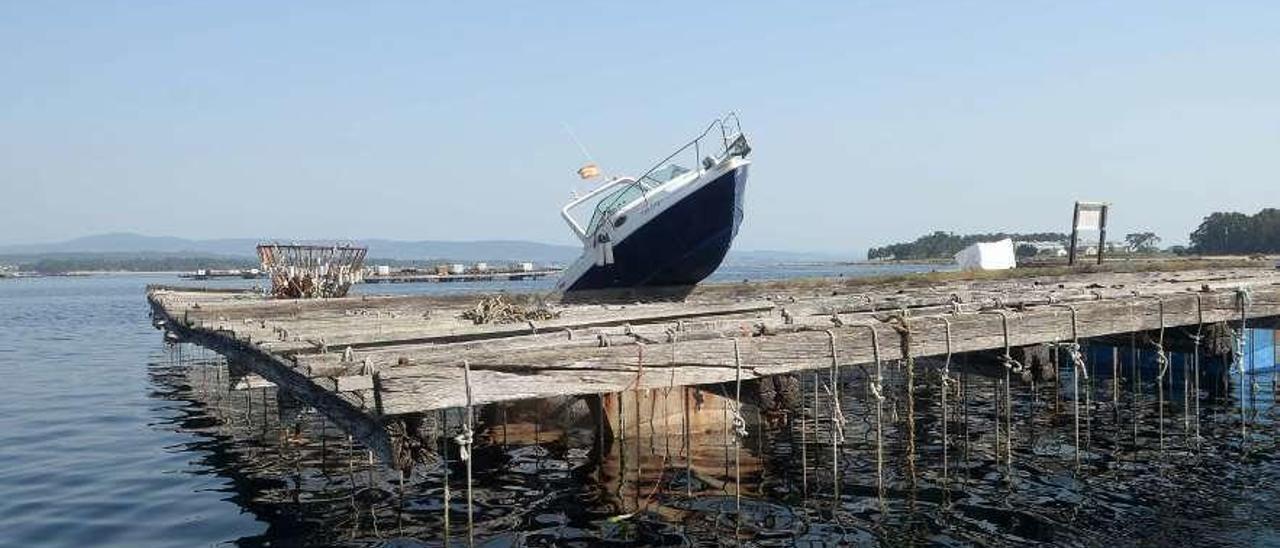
372	363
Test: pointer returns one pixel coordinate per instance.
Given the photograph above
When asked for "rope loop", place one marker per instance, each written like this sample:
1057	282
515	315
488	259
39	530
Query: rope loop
1007	359
1162	359
876	391
1077	358
1246	298
464	441
946	364
466	437
1245	295
837	416
739	423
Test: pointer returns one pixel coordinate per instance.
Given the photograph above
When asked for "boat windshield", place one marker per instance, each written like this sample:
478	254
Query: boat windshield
661	175
619	199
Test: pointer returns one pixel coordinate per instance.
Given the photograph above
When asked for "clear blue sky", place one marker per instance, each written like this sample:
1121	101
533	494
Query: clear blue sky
871	121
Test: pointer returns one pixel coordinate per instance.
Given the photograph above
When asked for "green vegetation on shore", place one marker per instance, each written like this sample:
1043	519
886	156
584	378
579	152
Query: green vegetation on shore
942	245
123	262
1232	233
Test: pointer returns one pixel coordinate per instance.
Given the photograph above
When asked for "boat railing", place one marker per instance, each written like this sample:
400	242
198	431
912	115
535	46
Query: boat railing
648	182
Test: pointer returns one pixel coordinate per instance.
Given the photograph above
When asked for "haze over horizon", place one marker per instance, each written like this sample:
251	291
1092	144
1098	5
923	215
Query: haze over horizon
870	123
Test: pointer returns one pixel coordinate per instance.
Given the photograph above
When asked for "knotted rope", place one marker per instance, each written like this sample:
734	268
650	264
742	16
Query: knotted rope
1195	362
1245	298
903	327
1011	366
833	391
1162	361
876	387
464	441
1080	370
946	386
739	423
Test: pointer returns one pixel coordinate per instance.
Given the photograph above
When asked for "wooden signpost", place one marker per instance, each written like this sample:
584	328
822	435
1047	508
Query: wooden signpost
1089	216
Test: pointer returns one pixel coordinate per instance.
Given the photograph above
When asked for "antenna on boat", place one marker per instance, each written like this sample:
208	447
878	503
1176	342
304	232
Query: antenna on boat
590	170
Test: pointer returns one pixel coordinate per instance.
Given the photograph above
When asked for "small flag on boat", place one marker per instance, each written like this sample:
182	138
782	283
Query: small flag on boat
588	171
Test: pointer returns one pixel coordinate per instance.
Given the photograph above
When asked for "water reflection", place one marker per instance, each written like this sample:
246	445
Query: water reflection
677	472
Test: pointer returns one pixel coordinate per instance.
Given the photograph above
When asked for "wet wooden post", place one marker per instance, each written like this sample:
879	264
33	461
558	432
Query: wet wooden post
1102	232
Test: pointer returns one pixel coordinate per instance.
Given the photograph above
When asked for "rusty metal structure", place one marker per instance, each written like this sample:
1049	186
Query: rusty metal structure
311	271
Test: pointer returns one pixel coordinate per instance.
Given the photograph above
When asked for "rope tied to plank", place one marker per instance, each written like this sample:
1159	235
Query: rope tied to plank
1245	298
1080	370
1197	338
1162	360
946	385
837	414
1006	359
876	388
464	441
1011	366
467	437
1074	351
1162	356
903	327
739	423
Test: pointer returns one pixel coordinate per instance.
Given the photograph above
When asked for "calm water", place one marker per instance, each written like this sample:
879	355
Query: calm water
108	437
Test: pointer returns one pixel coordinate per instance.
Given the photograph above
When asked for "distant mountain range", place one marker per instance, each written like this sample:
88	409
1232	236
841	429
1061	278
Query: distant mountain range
426	250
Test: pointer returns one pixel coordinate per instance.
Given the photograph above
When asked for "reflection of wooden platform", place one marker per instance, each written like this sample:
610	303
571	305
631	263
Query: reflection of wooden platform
366	361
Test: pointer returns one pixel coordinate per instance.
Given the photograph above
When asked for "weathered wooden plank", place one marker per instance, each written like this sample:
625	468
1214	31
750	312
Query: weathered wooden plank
350	417
352	383
541	372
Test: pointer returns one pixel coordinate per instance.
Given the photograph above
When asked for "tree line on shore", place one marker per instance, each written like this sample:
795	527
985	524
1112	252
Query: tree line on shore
1220	233
1232	233
62	264
941	244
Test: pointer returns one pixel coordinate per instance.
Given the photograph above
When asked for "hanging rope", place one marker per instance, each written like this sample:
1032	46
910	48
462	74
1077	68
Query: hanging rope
444	455
1195	362
1011	366
945	387
739	423
464	441
877	391
1162	363
740	428
1245	297
1079	370
903	327
833	391
1007	359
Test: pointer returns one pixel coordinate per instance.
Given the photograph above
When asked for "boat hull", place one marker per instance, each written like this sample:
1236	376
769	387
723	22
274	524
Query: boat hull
680	246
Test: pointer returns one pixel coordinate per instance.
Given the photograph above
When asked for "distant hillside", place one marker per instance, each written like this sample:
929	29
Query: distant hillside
113	247
488	250
60	263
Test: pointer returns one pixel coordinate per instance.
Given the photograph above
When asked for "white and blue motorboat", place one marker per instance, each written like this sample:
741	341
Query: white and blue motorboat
671	226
